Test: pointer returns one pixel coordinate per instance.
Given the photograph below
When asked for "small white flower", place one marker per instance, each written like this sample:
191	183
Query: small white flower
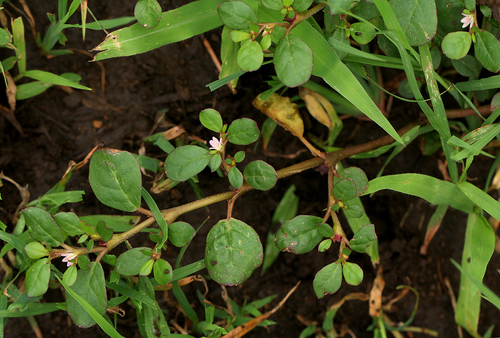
69	256
215	144
468	19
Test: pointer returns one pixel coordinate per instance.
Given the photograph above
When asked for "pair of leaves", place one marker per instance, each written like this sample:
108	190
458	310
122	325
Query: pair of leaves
329	279
456	45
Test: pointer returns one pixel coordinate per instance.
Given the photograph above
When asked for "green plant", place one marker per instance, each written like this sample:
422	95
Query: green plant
286	33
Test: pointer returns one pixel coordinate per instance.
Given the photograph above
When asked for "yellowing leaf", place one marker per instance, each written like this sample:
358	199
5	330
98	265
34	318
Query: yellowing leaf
319	107
283	112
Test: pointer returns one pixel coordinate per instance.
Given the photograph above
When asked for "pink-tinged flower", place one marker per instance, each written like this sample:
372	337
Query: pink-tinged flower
215	144
468	19
68	257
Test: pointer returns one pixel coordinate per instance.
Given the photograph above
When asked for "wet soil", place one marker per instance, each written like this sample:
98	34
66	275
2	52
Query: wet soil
63	125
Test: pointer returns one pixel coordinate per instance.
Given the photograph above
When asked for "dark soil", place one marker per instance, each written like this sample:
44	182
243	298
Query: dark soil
59	126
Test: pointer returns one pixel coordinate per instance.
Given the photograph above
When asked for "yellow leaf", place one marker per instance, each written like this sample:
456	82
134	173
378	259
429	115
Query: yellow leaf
283	112
319	107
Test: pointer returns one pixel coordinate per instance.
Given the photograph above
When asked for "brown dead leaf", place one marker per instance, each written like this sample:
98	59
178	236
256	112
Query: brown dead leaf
173	133
376	294
11	91
317	106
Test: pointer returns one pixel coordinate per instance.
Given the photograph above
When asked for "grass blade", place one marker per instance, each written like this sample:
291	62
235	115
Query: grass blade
431	189
482	199
175	25
132	294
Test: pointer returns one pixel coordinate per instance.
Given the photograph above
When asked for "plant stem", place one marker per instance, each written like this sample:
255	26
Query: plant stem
304	16
332	159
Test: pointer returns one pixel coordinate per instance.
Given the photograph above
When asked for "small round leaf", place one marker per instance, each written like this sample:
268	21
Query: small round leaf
353	274
115	178
359	178
344	190
215	162
487	51
148	13
328	280
324	245
180	233
243	131
69	276
302	5
456	45
146	267
325	230
186	161
266	41
239	156
42	226
35	250
363	238
363	32
211	119
69	223
163	272
235	177
260	175
354	211
129	263
273	4
103	231
238	36
299	235
250	56
37	278
237	15
233	252
293	61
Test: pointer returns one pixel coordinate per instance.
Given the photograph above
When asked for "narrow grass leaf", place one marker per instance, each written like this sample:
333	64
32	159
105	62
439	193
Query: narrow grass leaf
487	293
431	189
43	76
481	199
175	25
157	215
328	66
32	309
134	294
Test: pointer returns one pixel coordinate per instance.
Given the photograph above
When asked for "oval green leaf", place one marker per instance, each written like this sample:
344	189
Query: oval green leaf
233	252
146	267
324	245
103	231
235	177
243	132
237	15
186	161
359	178
487	51
325	230
37	278
69	223
293	61
238	36
276	5
363	238
69	276
328	280
35	250
250	56
340	6
302	5
215	162
354	211
211	119
344	190
456	45
5	37
363	32
163	272
299	235
115	178
260	175
180	233
91	286
353	274
129	263
148	13
42	226
466	66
